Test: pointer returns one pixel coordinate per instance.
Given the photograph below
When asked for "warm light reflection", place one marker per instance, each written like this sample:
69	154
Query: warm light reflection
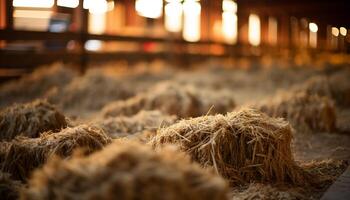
192	20
173	16
38	14
272	31
33	3
68	3
97	23
98	7
335	31
93	45
229	5
110	5
313	35
149	8
229	27
343	31
254	30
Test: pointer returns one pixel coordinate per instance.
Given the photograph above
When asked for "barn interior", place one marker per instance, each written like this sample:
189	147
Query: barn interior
174	99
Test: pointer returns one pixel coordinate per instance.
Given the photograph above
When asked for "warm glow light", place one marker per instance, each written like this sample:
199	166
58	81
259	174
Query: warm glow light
97	23
33	3
192	20
335	31
149	8
313	27
68	3
272	31
98	7
87	4
229	27
38	14
343	31
254	30
110	5
93	45
229	5
173	16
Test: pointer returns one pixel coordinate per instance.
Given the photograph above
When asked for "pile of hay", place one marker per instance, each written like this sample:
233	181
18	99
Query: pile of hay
173	99
30	120
92	92
22	155
267	192
310	112
243	146
36	84
9	189
124	126
126	170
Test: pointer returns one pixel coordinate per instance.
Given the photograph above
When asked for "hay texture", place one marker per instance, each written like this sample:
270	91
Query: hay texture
306	112
126	170
90	92
22	155
124	126
36	84
30	120
243	146
173	99
9	189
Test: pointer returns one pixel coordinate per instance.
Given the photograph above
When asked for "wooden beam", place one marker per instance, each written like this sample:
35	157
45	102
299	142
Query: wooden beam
9	15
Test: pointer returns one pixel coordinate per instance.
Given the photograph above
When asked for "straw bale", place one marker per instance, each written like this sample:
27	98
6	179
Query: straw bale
340	87
22	155
91	91
174	99
36	84
308	112
126	170
124	126
9	189
30	120
243	146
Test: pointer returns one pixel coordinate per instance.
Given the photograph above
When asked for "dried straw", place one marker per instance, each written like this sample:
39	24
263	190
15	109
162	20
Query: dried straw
91	91
30	120
36	84
173	99
9	189
126	170
22	155
124	126
303	110
243	146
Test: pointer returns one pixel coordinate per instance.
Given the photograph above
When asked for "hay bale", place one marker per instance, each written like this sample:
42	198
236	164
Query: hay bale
22	155
124	126
173	99
90	92
9	189
126	170
243	146
36	84
312	112
30	120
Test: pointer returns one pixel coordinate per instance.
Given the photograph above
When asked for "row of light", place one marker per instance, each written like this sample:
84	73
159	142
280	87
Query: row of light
94	6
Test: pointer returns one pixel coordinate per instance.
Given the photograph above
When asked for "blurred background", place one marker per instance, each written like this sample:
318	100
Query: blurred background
180	32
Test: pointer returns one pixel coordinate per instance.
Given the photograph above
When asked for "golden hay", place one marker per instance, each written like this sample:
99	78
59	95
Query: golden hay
9	189
22	155
304	110
126	170
30	120
92	91
173	99
243	146
36	84
267	192
123	126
